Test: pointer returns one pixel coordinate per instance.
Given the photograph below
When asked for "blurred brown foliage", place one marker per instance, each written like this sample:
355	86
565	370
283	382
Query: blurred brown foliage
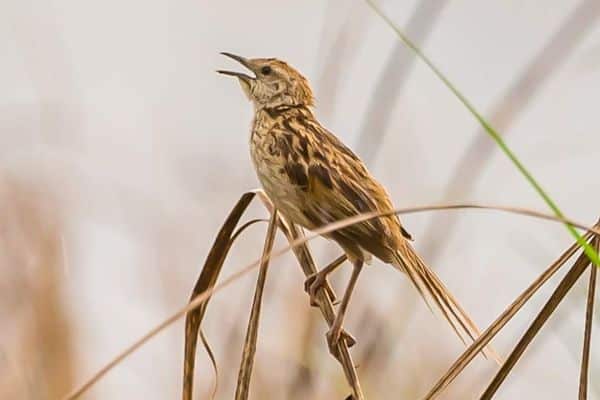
36	354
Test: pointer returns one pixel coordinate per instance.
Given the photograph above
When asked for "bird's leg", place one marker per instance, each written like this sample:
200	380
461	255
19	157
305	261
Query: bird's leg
335	332
318	280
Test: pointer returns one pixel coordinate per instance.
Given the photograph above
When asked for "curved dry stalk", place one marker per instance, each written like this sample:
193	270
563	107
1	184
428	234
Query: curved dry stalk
493	133
325	296
207	279
213	362
587	335
205	343
516	98
191	351
557	296
245	374
242	228
202	297
490	332
326	305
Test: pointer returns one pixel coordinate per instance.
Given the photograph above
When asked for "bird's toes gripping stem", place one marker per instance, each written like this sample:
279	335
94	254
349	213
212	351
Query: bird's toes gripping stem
334	336
315	282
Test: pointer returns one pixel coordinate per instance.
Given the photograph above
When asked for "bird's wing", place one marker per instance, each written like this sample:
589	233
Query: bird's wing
339	186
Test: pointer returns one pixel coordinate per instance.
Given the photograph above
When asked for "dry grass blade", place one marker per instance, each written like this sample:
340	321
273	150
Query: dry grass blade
206	280
327	307
511	105
467	356
587	336
493	133
213	362
243	384
307	263
558	295
242	228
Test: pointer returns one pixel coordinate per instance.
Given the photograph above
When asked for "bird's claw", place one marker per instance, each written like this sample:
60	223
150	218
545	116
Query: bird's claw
334	336
314	283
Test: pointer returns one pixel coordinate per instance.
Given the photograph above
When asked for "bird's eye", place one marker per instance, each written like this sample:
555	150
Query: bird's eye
266	70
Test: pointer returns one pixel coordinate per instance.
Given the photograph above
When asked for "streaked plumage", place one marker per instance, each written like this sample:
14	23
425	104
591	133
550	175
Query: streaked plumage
314	179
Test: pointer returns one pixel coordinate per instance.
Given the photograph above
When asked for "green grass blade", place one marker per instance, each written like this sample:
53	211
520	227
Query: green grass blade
591	253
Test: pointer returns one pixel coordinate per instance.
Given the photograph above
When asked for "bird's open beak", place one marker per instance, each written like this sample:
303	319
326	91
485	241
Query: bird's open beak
241	76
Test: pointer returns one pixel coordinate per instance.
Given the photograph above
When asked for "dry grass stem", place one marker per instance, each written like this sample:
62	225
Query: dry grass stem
326	306
467	356
302	253
201	298
213	361
515	100
207	280
245	374
557	296
587	336
485	124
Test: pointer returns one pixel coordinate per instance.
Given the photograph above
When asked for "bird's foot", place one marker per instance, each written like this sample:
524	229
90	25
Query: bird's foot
334	336
313	283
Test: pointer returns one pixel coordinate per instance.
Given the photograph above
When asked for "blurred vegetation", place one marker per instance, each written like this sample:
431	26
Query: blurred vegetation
121	159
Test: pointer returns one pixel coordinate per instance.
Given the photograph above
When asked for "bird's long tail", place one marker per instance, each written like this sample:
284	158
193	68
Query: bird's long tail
433	290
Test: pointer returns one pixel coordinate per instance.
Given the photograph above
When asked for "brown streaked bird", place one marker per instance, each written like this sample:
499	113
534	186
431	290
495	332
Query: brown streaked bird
313	179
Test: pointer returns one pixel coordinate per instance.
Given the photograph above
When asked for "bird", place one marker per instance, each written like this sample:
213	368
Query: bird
313	179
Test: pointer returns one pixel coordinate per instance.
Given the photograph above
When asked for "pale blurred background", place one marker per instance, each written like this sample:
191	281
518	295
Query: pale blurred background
122	151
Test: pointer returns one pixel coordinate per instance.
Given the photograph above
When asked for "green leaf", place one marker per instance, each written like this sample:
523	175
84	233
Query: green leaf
589	251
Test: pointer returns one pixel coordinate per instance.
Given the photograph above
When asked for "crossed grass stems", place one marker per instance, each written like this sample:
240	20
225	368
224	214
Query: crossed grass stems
206	286
206	283
228	234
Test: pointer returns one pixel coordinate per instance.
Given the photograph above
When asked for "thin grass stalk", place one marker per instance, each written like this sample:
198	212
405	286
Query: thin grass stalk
592	254
587	336
517	97
213	361
302	253
557	296
234	336
307	263
490	332
301	383
200	299
206	281
326	306
242	390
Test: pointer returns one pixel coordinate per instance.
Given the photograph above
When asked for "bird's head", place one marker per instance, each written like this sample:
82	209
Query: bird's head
274	82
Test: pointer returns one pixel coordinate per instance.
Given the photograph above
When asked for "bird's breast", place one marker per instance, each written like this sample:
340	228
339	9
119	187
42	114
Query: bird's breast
270	165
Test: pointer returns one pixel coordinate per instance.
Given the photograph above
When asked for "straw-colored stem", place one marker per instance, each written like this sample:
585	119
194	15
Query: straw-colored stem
587	336
558	295
245	374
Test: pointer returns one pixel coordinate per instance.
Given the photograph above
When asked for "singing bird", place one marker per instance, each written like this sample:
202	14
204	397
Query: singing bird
313	179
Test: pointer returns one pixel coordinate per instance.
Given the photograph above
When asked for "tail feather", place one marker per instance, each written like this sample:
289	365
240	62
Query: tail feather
432	289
